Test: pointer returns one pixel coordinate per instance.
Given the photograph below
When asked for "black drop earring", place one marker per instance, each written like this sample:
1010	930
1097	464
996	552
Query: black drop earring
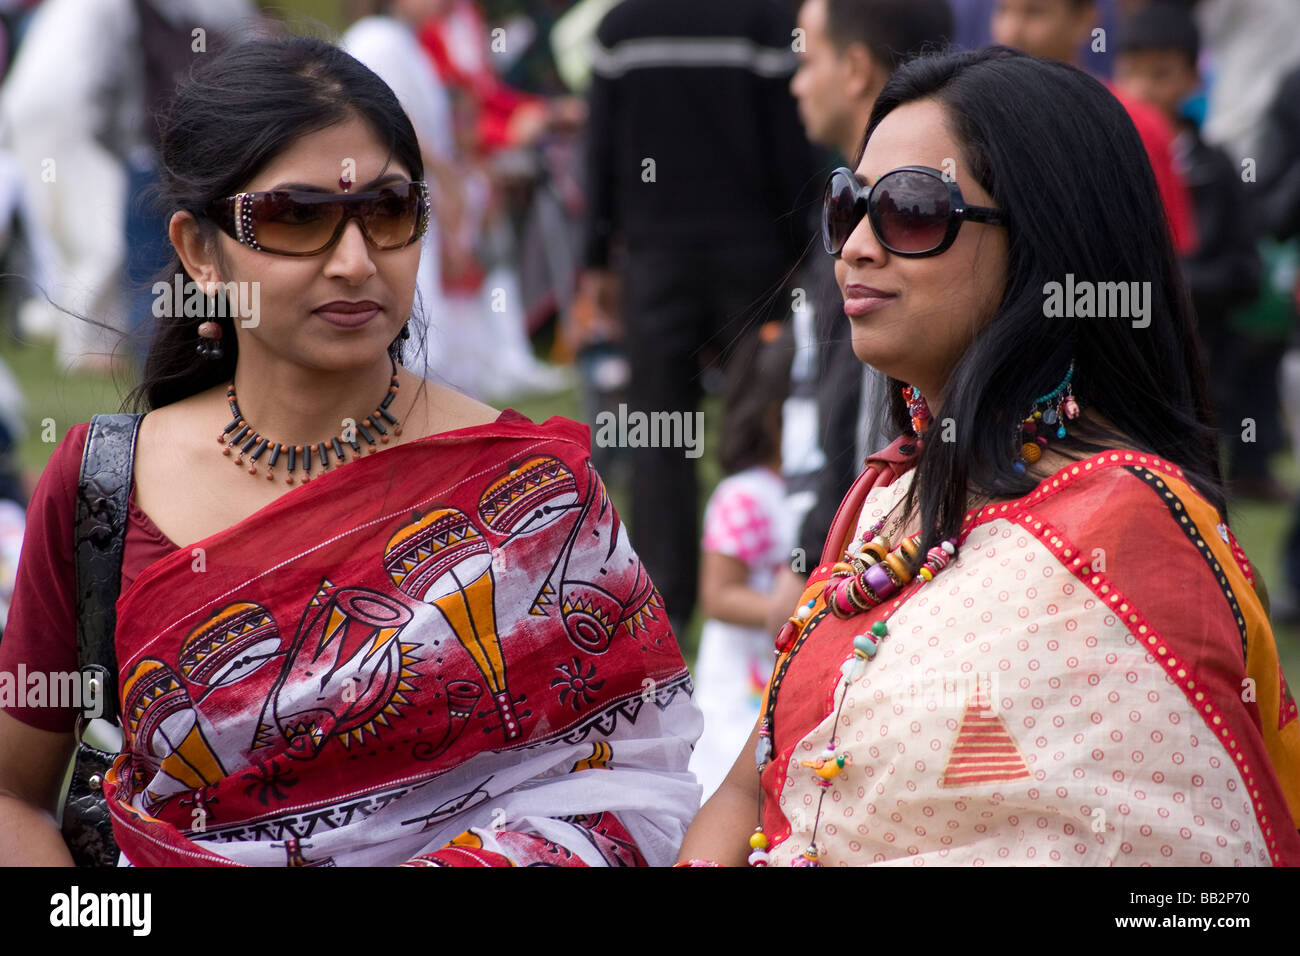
210	334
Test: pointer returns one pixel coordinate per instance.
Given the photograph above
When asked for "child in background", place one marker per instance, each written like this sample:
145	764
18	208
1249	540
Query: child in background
748	537
1159	46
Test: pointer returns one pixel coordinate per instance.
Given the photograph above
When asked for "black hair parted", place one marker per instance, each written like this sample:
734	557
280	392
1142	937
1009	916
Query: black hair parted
1060	156
232	116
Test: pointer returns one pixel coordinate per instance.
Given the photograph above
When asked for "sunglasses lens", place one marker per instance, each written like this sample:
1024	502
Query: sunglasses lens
392	218
289	222
840	213
911	211
300	223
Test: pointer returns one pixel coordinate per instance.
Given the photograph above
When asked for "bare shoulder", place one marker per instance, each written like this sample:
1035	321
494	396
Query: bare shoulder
446	409
161	426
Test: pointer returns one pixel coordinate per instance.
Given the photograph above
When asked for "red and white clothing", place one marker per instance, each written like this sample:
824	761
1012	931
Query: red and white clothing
746	519
1092	681
445	653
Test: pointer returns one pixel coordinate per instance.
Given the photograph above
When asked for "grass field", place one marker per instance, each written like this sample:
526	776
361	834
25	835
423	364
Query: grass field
61	400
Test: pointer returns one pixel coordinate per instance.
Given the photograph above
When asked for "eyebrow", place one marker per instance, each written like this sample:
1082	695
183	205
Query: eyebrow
308	187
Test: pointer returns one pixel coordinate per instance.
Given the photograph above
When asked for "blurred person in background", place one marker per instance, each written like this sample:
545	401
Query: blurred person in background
1251	46
1159	47
1276	195
695	162
834	418
748	533
76	111
1059	30
495	128
972	18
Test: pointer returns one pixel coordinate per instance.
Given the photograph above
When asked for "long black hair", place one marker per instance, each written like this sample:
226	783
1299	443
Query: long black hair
230	118
1059	154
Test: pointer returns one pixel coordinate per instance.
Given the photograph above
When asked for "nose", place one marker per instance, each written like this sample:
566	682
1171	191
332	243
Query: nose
862	244
350	257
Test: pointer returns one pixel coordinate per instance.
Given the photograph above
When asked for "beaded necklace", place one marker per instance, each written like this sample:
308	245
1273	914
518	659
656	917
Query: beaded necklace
254	443
868	576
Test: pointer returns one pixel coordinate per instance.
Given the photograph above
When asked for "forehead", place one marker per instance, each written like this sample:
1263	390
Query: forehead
318	158
1153	58
915	134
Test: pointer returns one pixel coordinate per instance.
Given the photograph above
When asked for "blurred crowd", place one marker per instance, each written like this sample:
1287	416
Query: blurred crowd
631	189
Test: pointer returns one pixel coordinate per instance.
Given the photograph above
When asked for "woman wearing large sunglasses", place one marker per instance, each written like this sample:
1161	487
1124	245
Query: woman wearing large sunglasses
363	619
1032	637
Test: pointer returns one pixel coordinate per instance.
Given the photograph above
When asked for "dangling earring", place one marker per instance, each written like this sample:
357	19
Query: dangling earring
210	333
917	409
1046	419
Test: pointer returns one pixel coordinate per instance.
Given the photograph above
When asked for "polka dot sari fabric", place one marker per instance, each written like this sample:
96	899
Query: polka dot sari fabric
1069	691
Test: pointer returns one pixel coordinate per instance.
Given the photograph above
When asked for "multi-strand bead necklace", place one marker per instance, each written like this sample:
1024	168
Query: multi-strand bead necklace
869	575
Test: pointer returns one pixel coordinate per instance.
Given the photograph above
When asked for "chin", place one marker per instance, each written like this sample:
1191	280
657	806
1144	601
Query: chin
871	351
352	356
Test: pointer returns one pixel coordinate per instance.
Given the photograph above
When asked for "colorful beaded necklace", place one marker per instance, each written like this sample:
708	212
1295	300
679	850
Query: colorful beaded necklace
254	444
868	576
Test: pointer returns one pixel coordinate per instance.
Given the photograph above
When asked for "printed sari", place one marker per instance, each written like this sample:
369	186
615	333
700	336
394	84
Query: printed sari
1092	681
446	653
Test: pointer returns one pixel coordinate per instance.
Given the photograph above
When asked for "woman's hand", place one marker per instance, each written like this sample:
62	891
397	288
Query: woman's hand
32	765
721	830
725	594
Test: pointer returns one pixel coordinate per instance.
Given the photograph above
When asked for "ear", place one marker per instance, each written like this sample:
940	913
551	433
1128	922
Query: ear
862	74
195	254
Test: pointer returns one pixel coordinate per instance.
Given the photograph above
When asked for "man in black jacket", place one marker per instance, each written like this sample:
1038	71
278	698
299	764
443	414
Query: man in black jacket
695	163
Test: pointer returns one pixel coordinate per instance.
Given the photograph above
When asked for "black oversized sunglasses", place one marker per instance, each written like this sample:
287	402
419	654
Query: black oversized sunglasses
913	210
293	222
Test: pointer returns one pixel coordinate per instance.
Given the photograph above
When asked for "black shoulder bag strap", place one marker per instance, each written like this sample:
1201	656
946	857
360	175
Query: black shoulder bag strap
103	490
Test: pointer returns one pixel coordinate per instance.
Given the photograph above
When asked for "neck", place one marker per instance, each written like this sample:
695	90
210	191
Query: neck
852	139
294	405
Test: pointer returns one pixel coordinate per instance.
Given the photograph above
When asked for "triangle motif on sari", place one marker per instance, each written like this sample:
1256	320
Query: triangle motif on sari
984	751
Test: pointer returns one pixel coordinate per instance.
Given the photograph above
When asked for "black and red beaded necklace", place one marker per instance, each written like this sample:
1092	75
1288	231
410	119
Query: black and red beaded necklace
254	444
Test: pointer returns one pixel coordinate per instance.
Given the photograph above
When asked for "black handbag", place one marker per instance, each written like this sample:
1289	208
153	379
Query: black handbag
103	490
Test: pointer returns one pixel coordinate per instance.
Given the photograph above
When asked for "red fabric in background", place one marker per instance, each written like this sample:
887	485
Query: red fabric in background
1158	139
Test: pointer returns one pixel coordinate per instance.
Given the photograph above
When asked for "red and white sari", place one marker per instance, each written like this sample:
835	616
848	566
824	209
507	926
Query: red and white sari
446	653
1092	681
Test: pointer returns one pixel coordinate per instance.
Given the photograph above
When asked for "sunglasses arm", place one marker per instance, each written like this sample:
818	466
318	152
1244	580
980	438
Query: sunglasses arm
992	217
